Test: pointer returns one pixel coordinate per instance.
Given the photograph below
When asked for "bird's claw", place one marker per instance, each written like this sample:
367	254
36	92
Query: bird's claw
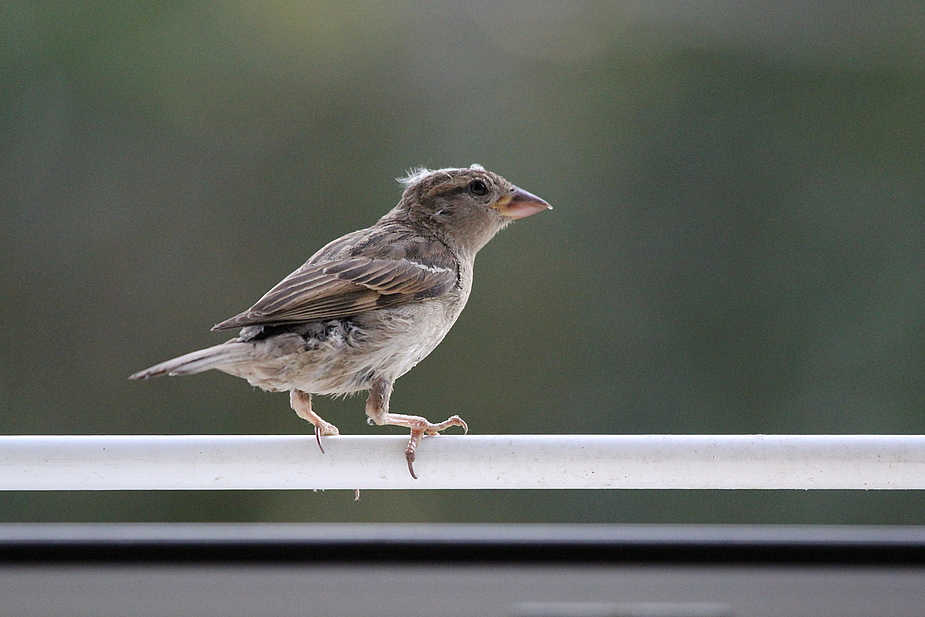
324	429
426	428
409	454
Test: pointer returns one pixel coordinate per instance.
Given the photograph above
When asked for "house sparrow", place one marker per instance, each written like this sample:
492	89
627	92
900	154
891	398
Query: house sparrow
366	308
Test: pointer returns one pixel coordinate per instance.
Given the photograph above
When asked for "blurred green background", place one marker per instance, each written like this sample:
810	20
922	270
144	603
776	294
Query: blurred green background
737	245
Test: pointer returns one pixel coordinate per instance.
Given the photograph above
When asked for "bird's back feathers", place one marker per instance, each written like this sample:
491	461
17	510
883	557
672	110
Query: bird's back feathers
360	272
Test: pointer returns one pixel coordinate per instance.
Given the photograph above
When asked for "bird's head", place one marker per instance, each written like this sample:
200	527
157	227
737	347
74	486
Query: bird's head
464	207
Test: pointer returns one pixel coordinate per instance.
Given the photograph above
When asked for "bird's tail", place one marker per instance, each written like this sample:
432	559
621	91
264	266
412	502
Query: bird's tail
231	352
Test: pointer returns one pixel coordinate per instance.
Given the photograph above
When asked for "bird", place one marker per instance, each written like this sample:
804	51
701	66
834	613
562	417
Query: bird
370	305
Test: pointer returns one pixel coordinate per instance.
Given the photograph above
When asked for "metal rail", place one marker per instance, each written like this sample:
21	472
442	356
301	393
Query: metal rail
223	462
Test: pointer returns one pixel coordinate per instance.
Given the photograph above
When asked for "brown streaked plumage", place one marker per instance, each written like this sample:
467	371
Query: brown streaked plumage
366	308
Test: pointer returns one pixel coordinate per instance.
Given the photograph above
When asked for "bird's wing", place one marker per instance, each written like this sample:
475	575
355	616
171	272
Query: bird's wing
349	286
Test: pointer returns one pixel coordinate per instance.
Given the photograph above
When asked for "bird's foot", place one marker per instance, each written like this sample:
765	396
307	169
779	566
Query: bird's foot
420	427
302	404
324	428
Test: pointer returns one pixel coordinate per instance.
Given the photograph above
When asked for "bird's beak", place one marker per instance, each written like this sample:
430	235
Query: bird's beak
519	203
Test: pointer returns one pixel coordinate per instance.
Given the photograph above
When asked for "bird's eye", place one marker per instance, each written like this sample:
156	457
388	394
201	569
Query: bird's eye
478	188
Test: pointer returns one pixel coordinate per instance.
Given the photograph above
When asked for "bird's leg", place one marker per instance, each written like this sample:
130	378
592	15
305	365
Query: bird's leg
302	404
377	408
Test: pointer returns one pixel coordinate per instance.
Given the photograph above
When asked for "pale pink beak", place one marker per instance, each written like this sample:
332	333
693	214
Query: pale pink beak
519	203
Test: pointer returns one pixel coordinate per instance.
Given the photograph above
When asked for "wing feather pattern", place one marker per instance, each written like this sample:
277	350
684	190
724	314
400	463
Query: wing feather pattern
352	284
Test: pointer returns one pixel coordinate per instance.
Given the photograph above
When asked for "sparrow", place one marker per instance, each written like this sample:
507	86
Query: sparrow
367	307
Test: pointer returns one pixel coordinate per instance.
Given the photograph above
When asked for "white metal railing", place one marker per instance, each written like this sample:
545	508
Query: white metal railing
197	462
